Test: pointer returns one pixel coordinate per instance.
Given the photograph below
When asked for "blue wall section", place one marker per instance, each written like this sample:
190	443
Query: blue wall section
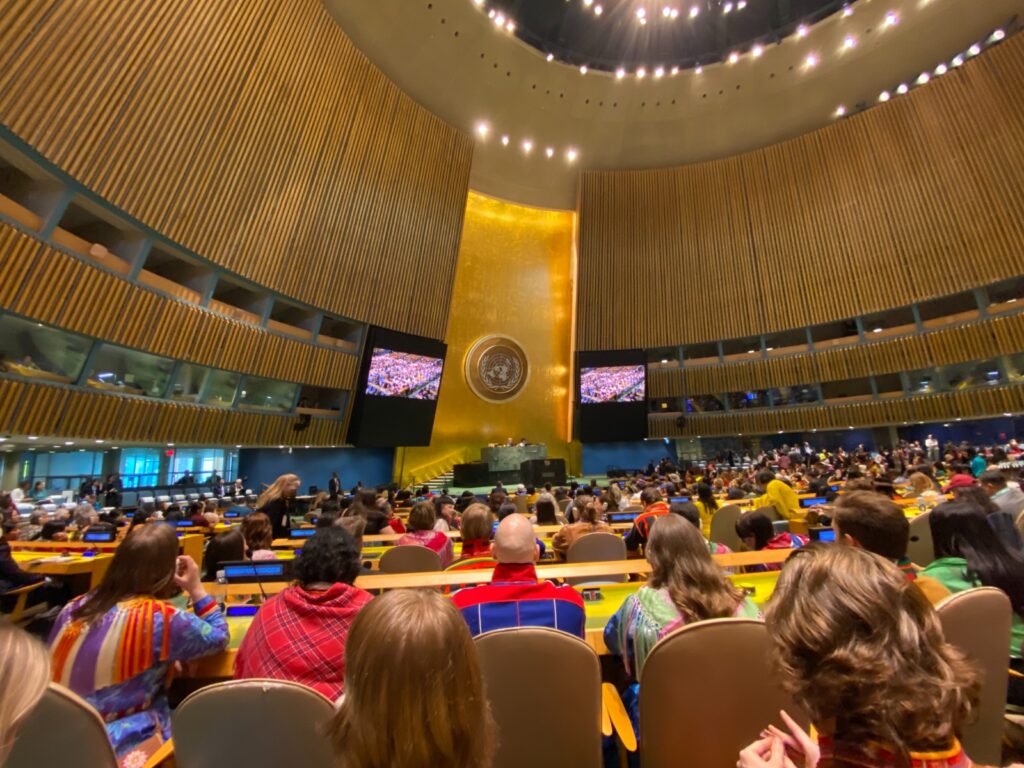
598	458
975	432
372	466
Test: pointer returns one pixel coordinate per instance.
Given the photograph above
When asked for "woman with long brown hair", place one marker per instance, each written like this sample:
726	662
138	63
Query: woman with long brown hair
400	708
115	645
278	503
421	533
861	650
590	513
259	537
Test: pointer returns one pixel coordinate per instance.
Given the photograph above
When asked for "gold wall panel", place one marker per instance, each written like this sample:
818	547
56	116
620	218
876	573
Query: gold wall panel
914	199
254	133
102	305
514	279
27	408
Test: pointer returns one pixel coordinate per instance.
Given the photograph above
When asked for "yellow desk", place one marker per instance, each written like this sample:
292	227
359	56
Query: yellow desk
190	544
51	564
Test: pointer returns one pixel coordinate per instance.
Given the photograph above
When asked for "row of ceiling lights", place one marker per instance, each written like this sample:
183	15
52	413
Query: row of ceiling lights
942	68
668	12
527	145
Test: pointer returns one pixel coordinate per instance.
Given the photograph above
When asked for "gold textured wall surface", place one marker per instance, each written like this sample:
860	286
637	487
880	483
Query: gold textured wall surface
917	198
253	133
514	278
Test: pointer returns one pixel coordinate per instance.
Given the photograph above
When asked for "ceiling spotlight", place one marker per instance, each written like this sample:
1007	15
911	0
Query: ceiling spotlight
550	152
849	42
811	61
641	13
840	110
941	70
504	140
923	78
674	71
527	146
641	73
551	57
741	5
659	72
756	51
583	69
666	12
801	31
620	73
891	19
482	129
499	19
698	69
884	96
847	11
511	26
598	10
902	88
997	36
491	13
478	2
876	330
99	442
675	13
958	61
642	22
974	50
570	155
664	361
588	3
32	437
734	57
694	11
72	442
727	8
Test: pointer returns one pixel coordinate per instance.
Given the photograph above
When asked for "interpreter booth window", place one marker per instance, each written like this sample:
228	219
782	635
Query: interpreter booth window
117	369
188	382
201	463
847	390
923	381
968	375
799	395
267	395
704	404
755	398
140	467
1015	367
35	351
221	388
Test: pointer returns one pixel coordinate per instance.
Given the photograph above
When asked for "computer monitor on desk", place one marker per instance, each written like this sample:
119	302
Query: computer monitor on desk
249	571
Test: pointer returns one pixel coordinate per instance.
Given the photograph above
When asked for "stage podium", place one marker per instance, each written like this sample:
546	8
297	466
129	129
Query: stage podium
508	464
509	458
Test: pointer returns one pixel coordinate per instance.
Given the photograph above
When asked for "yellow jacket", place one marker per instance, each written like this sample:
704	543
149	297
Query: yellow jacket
705	517
780	496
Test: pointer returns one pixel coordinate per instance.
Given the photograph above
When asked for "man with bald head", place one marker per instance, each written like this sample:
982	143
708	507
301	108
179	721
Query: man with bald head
515	598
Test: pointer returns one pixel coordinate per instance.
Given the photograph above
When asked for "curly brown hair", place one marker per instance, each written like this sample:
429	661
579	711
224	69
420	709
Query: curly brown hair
858	645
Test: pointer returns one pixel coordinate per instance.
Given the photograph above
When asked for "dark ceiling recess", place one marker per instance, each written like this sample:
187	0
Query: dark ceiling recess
574	34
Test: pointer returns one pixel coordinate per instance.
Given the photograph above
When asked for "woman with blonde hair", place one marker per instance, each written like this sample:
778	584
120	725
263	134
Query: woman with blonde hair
401	708
278	503
861	650
477	524
24	673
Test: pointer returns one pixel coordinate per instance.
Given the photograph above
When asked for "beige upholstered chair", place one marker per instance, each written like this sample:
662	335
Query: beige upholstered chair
409	558
920	549
633	510
63	731
255	723
977	621
559	728
723	527
597	548
522	505
706	692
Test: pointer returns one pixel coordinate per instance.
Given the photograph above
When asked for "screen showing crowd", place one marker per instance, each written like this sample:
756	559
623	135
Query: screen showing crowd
400	374
612	384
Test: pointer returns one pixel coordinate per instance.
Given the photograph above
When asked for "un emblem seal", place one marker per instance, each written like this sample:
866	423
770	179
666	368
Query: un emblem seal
496	369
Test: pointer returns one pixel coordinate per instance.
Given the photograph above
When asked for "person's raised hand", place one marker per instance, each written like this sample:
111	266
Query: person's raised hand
186	576
798	743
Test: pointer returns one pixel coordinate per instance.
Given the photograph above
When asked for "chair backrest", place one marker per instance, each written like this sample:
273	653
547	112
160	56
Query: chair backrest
723	527
920	548
560	728
597	548
409	558
63	731
563	504
255	723
780	526
731	693
522	504
633	509
978	622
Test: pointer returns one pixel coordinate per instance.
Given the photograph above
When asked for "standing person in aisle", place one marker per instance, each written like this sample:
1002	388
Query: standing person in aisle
278	503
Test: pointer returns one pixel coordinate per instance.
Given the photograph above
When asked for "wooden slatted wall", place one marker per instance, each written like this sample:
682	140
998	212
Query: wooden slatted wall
975	341
917	198
976	403
254	133
100	304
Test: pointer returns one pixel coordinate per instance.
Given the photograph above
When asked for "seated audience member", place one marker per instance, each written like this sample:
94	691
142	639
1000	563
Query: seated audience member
870	521
414	695
547	511
24	674
590	512
142	516
960	480
707	505
476	529
777	494
355	526
227	547
53	530
1002	522
11	574
495	500
421	533
259	538
115	645
299	634
756	531
690	512
861	651
83	517
685	586
654	507
31	530
444	511
196	514
365	506
969	554
278	504
38	492
515	597
1009	499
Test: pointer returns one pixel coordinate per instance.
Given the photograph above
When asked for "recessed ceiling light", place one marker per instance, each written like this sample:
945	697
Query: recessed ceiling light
527	146
551	57
170	445
491	13
620	73
583	69
741	5
884	96
238	446
666	12
997	36
504	140
756	51
811	61
499	19
941	70
891	19
675	13
734	57
550	151
750	351
698	69
641	13
482	129
923	78
958	60
849	42
598	10
664	361
840	110
847	11
768	349
641	73
694	11
478	2
570	155
727	8
876	330
659	72
902	88
974	50
69	442
674	71
32	437
511	26
99	442
801	31
588	3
